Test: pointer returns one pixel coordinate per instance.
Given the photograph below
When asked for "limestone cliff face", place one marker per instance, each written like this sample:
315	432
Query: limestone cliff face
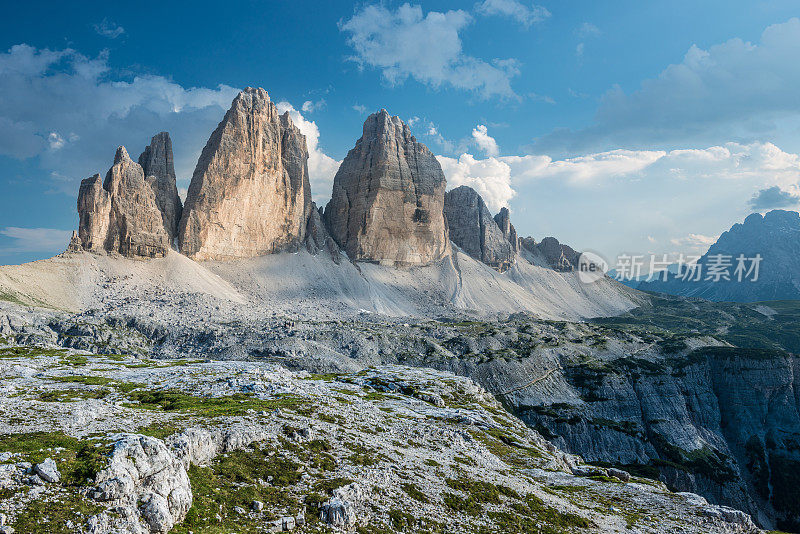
723	422
473	229
159	171
249	193
388	198
120	214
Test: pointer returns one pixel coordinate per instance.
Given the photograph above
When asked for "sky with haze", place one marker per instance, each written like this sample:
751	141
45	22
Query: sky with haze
617	127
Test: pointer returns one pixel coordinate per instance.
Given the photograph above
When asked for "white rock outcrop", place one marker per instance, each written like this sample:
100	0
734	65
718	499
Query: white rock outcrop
147	482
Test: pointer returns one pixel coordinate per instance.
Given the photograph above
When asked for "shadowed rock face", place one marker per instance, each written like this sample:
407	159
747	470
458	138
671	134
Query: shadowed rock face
159	171
557	256
120	214
503	220
249	194
387	204
474	230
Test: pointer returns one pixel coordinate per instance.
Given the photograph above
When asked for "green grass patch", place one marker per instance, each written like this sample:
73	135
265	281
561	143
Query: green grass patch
78	460
177	401
51	515
72	395
414	492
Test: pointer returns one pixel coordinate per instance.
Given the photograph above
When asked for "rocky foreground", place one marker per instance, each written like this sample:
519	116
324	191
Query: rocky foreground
93	443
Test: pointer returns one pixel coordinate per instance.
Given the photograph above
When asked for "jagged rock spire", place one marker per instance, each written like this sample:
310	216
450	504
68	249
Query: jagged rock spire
120	213
159	170
249	193
474	230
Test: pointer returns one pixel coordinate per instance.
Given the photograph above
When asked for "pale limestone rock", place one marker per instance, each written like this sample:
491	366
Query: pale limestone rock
159	170
474	230
317	236
147	482
48	470
120	214
75	244
249	195
387	204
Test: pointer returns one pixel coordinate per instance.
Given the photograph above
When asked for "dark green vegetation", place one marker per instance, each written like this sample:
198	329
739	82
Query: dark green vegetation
52	515
740	325
30	352
414	492
532	515
177	401
82	459
238	479
526	514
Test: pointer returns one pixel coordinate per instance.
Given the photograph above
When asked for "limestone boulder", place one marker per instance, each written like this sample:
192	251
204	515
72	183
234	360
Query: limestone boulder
387	204
249	194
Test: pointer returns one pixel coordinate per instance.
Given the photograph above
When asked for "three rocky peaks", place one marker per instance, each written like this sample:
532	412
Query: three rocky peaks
250	196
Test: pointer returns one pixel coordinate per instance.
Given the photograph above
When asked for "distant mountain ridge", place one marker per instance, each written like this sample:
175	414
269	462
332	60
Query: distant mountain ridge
774	237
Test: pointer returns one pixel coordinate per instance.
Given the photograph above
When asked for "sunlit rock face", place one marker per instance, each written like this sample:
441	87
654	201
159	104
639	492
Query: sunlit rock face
249	194
120	213
388	198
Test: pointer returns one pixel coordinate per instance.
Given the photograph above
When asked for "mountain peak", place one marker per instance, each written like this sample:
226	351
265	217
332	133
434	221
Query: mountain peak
121	155
388	197
249	194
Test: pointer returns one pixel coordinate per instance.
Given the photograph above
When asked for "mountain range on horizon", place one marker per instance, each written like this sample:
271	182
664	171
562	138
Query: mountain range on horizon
772	239
250	196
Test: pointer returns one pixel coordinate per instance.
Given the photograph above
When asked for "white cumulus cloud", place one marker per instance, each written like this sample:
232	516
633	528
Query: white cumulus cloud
426	47
484	141
309	106
525	14
70	112
634	201
490	177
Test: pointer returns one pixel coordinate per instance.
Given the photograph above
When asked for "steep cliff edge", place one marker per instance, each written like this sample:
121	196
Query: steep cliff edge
159	171
489	240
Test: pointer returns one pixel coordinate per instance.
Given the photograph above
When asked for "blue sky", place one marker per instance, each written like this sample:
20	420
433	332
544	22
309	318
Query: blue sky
617	127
